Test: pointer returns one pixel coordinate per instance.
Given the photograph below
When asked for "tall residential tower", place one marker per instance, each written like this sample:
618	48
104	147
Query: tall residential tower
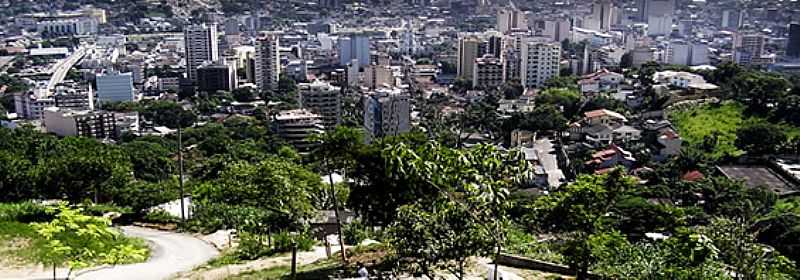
201	46
267	62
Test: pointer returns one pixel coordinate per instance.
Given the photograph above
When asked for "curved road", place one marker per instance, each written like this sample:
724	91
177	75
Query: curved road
170	253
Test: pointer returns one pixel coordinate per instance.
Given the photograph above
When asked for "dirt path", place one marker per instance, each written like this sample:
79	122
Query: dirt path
219	273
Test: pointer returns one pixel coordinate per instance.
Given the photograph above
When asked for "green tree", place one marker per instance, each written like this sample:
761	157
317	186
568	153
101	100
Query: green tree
583	211
443	235
685	255
780	227
760	138
512	90
277	185
81	241
542	118
479	179
378	191
78	168
567	82
169	114
567	100
15	177
336	151
244	94
151	161
626	61
759	90
749	259
142	195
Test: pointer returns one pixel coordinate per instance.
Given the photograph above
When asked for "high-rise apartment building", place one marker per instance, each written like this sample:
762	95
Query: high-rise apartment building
475	45
115	87
647	8
602	16
201	46
387	112
658	14
267	62
323	99
540	62
732	19
511	18
376	76
680	52
467	53
354	46
489	72
748	48
296	126
793	45
556	29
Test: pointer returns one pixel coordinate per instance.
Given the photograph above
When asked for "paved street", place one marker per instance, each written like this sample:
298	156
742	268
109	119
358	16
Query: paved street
62	67
547	157
170	253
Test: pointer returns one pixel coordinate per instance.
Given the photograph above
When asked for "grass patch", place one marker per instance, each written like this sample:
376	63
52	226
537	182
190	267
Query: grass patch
696	123
226	257
19	243
374	256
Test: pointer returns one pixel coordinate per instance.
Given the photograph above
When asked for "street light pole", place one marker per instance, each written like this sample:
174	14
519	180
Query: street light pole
180	170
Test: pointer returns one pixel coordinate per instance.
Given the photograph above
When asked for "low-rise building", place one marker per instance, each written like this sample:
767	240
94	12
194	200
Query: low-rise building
65	122
603	127
611	157
601	81
683	80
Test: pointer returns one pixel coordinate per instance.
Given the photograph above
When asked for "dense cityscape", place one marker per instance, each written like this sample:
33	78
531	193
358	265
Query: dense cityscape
400	139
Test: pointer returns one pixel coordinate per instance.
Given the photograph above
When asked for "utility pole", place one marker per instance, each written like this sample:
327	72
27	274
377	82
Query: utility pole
180	170
336	211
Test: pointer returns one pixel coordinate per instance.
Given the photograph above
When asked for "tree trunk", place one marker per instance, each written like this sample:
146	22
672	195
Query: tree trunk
461	269
496	257
336	214
583	272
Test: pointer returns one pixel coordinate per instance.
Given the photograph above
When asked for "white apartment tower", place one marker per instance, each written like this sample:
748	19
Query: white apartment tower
201	46
387	112
323	99
267	62
602	15
511	18
540	62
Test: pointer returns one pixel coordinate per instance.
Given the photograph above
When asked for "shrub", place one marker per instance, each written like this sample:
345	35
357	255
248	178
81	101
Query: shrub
160	216
355	232
24	212
252	246
283	241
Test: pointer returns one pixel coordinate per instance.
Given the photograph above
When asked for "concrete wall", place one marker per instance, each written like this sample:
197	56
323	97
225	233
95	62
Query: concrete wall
526	263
